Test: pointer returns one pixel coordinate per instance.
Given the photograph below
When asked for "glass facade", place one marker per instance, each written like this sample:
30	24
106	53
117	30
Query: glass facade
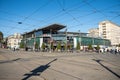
30	42
38	33
59	37
43	36
85	41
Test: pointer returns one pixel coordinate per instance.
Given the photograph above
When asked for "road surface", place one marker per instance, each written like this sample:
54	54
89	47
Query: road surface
22	65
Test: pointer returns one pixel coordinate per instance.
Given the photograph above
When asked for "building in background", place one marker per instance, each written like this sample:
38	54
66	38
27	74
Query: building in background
111	31
51	35
13	41
94	32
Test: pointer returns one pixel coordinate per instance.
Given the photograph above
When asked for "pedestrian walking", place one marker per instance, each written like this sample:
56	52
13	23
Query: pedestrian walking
14	49
116	51
119	51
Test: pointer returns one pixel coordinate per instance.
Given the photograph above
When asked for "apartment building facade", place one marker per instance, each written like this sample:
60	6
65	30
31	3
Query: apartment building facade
111	31
14	40
94	32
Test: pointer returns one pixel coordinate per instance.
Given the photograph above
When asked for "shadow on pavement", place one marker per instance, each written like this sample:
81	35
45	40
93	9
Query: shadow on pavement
10	61
37	71
99	62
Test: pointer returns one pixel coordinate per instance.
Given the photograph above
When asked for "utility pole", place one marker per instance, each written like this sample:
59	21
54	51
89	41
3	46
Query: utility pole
50	38
93	41
34	40
66	38
79	37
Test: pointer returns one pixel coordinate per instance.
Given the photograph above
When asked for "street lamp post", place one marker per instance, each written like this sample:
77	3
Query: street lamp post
79	37
93	40
25	41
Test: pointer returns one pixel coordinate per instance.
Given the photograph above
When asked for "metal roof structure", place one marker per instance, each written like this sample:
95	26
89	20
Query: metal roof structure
53	27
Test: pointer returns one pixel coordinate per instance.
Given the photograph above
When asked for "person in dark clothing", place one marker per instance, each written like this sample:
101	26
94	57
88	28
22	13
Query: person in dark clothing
14	49
115	51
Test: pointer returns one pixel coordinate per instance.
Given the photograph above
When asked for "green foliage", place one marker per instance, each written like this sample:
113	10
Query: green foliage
65	46
36	46
71	46
119	45
22	45
1	36
90	47
98	47
78	46
43	45
52	45
1	41
59	46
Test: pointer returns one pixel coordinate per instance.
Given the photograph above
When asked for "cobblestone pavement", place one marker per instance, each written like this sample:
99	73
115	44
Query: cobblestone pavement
22	65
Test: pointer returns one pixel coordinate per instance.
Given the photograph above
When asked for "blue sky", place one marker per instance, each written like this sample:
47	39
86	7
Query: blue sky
75	14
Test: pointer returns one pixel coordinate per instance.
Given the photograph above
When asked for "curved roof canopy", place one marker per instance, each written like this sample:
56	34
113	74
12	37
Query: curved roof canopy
53	27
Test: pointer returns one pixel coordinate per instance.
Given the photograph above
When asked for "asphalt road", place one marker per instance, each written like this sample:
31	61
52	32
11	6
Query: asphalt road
21	65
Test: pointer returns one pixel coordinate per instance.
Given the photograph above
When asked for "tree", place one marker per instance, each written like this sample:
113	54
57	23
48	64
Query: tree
52	45
43	46
1	36
59	46
71	46
78	46
90	47
65	46
22	45
119	45
36	46
98	47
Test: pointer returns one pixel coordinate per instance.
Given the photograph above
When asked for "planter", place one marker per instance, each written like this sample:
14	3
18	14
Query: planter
22	49
90	50
58	50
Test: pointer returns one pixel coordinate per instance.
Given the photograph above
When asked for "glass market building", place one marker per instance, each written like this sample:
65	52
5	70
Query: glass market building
51	35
